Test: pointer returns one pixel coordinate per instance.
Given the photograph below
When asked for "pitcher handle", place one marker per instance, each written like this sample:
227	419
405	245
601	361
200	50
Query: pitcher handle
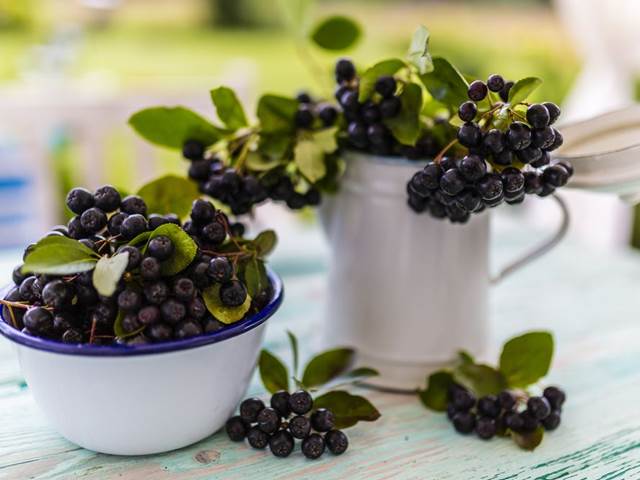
540	250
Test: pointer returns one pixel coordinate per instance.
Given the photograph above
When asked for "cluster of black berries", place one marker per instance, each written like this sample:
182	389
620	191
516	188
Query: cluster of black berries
365	121
288	418
311	114
153	307
491	415
241	191
501	166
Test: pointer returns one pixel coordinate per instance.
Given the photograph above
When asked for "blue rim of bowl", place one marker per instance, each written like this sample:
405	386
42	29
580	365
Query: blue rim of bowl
224	333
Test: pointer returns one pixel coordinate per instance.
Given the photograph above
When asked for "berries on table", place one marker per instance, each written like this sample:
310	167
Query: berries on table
236	428
300	402
257	438
485	427
313	446
250	408
280	403
555	396
299	426
539	407
464	422
322	420
281	443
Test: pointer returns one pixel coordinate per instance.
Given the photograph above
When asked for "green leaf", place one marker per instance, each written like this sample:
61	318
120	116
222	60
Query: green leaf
273	372
465	357
406	125
184	248
435	396
172	126
368	79
362	372
326	139
229	108
258	162
255	276
419	51
445	83
108	272
526	359
327	366
309	157
528	441
522	89
227	315
169	194
274	146
293	341
59	255
140	238
348	409
276	113
119	331
265	242
336	33
481	379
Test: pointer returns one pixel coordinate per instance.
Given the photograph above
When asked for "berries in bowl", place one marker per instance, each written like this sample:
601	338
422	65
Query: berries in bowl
137	333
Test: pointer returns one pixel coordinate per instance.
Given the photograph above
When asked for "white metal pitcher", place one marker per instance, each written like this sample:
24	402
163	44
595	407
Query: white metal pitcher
406	291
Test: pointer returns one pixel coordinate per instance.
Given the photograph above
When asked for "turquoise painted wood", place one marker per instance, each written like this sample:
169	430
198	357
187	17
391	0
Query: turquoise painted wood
590	300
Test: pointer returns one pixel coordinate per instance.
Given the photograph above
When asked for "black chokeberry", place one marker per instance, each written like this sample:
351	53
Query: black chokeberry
486	427
184	289
156	292
268	420
150	268
488	406
512	179
233	293
300	402
304	116
257	438
187	328
543	137
452	182
149	315
506	400
130	323
26	290
551	421
477	90
385	86
513	421
93	220
554	111
345	70
467	111
220	269
555	175
519	135
214	232
299	426
504	93
133	204
470	135
567	166
462	399
160	247
236	429
129	300
532	182
357	133
390	107
38	320
57	294
371	113
529	155
555	397
79	200
538	115
473	168
115	222
322	420
250	408
107	198
72	335
193	150
172	311
464	422
280	403
199	170
159	332
337	442
135	256
539	407
132	226
495	82
281	443
155	220
328	115
211	324
313	446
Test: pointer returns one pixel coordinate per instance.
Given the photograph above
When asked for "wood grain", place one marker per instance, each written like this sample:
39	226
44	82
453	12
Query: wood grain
591	303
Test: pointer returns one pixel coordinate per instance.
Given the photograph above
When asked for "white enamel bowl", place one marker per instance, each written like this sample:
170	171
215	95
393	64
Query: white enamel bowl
143	399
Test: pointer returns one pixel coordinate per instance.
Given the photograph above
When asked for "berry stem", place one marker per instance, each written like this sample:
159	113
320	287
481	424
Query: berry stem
92	335
441	153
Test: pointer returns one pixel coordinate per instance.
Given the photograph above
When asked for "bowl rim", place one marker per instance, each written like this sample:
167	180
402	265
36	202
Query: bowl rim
225	333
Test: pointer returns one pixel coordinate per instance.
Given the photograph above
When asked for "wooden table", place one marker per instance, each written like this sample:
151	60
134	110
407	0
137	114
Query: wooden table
589	299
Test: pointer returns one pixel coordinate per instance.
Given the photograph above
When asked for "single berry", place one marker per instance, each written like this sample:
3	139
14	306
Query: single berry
464	422
469	200
467	111
79	200
199	170
72	335
486	427
133	204
184	289
313	446
337	442
452	182
214	232
281	443
132	226
532	183
432	174
149	315
304	97
567	166
130	323
495	82
193	150
280	403
257	438
558	140
494	141
129	300
538	115
554	111
210	324
488	406
250	408
349	101
419	184
512	179
477	90
385	86
504	93
304	116
544	160
506	400
233	293
150	268
529	422
390	107
555	175
473	168
300	402
160	332
268	420
322	420
202	212
156	292
519	135
539	407
555	397
357	134
93	220
299	426
552	421
107	198
513	421
38	320
236	428
172	311
543	137
345	70
57	294
469	135
160	247
220	269
115	222
196	308
328	115
462	399
371	113
530	154
135	256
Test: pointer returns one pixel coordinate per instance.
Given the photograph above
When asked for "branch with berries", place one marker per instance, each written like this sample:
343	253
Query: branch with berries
500	401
